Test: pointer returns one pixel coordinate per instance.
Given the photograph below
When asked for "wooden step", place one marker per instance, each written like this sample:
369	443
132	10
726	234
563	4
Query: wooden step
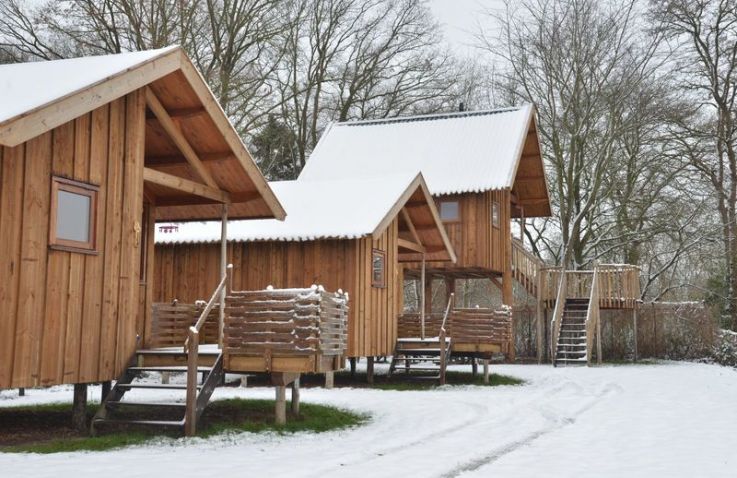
155	386
150	423
167	368
146	404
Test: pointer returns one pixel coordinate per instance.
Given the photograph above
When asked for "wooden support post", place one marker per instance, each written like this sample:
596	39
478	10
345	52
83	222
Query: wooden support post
370	370
295	396
165	376
21	392
598	340
105	390
223	271
486	370
634	328
474	366
281	405
423	298
352	361
539	326
329	380
193	346
79	407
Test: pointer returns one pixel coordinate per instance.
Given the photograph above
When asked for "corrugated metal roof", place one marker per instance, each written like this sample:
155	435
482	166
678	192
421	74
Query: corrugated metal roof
457	152
328	209
27	86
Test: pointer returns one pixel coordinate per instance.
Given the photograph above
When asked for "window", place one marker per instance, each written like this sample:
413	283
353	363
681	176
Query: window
73	211
378	269
495	214
449	211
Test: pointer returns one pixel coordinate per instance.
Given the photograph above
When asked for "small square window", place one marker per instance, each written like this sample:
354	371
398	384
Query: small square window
73	214
495	214
378	268
449	211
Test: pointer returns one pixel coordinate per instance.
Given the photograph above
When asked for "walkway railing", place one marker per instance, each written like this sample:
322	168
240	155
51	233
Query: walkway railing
526	267
619	285
555	322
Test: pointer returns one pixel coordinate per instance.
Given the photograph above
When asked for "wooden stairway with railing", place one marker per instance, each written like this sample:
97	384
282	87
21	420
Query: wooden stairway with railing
572	339
424	358
191	360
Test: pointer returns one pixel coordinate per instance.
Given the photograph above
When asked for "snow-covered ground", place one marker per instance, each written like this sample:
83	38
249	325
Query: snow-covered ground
673	420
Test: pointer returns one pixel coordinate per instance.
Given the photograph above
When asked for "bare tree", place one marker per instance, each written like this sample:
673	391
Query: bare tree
704	42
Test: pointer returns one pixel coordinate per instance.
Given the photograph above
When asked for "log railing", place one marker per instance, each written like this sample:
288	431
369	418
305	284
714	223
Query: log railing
593	325
560	302
285	322
192	349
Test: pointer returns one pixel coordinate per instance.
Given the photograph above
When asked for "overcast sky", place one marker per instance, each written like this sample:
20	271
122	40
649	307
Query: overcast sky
461	20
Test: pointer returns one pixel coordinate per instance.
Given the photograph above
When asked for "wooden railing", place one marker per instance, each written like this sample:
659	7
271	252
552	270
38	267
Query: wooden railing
286	322
170	323
442	339
619	285
593	325
192	348
560	302
526	267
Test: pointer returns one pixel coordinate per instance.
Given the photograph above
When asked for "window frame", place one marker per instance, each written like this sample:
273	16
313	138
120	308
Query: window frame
83	189
496	214
378	284
458	209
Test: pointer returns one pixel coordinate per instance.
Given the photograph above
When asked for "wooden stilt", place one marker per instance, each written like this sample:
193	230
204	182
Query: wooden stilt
281	405
370	370
474	367
105	390
295	396
486	370
244	381
165	376
79	407
21	392
223	271
352	361
634	328
423	298
329	380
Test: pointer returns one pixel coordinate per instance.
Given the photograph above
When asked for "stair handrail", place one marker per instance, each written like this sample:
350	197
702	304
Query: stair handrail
441	339
192	349
555	322
531	263
592	319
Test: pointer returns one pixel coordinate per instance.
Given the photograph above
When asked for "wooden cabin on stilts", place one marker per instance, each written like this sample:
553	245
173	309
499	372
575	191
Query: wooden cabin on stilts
484	170
94	151
353	234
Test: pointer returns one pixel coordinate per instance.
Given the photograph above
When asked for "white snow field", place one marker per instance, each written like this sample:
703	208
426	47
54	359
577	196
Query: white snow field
669	420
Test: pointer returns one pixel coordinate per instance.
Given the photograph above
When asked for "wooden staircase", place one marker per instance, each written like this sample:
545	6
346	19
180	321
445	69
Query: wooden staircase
421	359
166	414
572	343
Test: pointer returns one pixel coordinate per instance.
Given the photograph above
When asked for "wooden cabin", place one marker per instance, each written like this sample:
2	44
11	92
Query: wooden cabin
352	234
483	168
93	151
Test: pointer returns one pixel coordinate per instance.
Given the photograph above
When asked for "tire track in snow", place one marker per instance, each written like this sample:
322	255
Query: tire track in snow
560	422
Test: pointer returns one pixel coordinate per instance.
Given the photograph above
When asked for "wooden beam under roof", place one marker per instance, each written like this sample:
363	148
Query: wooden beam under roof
411	226
184	185
178	158
176	135
409	245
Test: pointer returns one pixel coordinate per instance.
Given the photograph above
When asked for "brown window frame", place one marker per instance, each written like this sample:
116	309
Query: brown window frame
83	189
379	284
496	219
440	211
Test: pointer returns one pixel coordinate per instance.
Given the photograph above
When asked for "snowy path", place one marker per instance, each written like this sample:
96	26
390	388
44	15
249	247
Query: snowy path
663	420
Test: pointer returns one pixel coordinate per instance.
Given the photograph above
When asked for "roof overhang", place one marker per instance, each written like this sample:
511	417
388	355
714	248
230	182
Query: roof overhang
195	161
530	195
421	232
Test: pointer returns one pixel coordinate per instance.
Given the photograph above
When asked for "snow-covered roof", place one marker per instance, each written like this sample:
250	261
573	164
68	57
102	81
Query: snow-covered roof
456	153
328	209
27	86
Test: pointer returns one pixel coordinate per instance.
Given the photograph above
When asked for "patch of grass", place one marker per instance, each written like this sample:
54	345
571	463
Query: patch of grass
400	382
223	416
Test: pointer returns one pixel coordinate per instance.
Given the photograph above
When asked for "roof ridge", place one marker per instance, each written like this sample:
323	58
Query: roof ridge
431	117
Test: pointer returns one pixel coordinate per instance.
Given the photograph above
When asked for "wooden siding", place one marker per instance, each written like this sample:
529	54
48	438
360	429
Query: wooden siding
189	272
480	247
67	317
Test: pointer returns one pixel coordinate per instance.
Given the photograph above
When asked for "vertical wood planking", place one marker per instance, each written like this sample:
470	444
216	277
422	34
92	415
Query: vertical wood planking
11	224
31	297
